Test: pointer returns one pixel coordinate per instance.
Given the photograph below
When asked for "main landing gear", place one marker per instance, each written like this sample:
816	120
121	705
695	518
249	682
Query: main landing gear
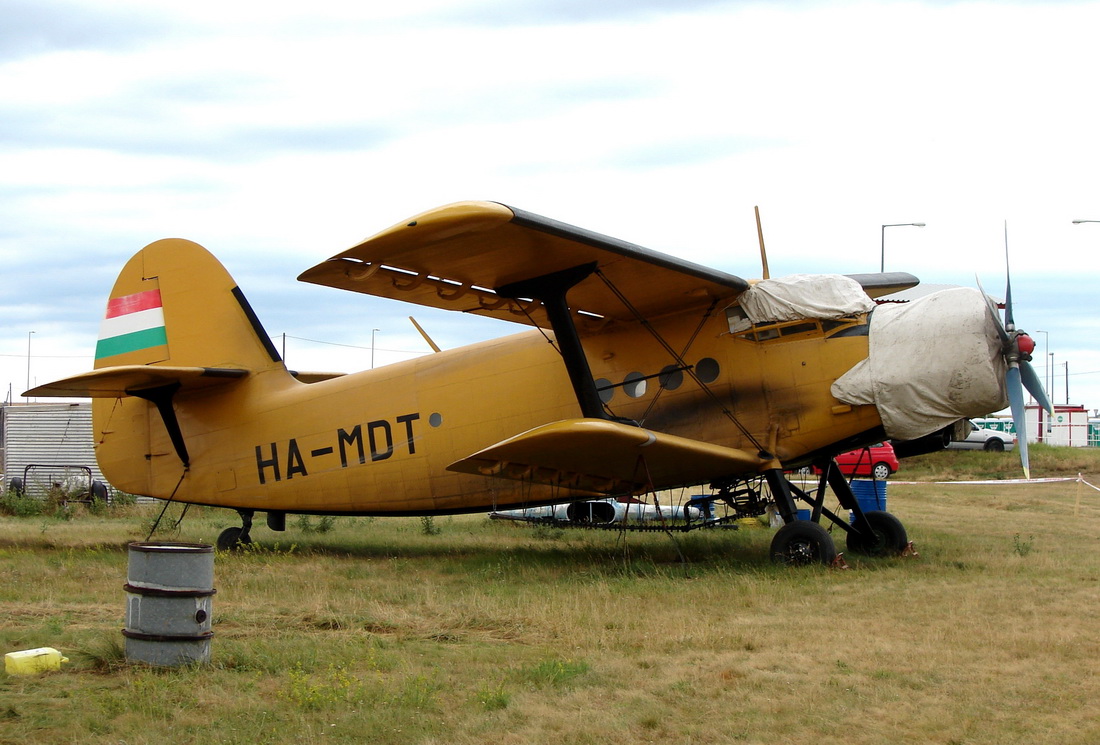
798	542
232	539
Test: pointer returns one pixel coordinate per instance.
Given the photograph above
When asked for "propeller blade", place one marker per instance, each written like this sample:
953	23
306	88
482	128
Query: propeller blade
1033	386
1019	419
992	306
1010	324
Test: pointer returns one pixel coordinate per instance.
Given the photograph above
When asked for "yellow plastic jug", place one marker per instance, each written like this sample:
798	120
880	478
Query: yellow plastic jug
33	661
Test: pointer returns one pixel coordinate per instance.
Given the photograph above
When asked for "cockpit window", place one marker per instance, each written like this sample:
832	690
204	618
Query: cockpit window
742	327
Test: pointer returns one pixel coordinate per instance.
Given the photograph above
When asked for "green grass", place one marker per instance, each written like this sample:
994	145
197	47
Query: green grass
1046	461
377	630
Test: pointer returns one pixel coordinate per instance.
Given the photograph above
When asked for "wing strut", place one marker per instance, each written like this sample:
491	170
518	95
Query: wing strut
551	289
161	397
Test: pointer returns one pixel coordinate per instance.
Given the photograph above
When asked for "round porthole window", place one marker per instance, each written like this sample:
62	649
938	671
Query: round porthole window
707	370
605	389
634	384
672	377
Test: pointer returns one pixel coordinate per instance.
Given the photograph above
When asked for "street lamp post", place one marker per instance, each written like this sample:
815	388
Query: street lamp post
372	333
882	263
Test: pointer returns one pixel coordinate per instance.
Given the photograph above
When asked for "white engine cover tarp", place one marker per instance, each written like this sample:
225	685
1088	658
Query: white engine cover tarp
801	296
930	363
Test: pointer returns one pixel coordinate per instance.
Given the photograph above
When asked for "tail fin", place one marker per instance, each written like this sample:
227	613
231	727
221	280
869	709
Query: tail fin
174	316
175	322
175	304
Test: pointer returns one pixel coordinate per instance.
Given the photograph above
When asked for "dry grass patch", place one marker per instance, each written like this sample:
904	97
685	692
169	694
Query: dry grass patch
376	631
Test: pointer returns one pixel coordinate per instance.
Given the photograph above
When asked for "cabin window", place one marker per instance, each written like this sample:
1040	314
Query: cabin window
634	384
671	377
707	370
606	389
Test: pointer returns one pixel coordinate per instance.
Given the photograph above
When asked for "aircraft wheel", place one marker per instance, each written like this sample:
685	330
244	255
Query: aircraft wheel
994	445
232	539
803	542
888	536
881	471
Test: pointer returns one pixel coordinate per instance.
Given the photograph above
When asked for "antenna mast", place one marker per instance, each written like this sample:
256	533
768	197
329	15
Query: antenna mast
760	234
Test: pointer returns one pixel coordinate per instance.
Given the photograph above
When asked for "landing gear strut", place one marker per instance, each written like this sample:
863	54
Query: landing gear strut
872	533
232	539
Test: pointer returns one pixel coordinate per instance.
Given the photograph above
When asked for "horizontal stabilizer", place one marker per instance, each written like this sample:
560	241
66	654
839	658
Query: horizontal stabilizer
315	377
606	457
125	380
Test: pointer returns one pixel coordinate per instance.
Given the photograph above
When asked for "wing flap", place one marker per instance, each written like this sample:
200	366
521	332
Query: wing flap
455	256
125	380
607	457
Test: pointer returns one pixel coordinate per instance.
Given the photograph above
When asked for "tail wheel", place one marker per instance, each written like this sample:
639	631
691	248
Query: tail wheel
887	536
232	539
803	542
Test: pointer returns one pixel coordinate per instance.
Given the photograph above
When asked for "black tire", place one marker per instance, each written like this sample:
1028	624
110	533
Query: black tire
803	542
888	538
16	485
994	445
881	471
232	539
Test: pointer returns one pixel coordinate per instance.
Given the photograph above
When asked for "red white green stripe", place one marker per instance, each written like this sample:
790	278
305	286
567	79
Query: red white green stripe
133	323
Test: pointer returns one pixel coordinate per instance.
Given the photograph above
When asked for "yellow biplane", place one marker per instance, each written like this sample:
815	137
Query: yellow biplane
640	372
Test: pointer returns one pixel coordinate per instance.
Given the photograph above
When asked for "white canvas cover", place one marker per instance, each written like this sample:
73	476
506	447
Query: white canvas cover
930	363
800	296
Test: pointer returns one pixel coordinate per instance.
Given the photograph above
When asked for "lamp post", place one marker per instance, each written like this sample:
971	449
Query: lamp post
28	362
372	333
882	263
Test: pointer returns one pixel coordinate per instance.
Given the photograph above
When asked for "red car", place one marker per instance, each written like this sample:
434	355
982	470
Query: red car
877	461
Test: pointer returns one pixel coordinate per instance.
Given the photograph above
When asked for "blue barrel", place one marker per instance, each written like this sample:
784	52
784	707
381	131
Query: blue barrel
870	495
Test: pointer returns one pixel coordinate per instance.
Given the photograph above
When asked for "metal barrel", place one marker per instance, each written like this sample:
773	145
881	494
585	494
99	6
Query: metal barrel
169	588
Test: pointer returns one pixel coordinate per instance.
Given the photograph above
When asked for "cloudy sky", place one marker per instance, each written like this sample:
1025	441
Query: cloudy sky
279	133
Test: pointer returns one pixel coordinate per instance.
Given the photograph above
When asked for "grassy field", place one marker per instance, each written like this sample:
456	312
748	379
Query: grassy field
464	630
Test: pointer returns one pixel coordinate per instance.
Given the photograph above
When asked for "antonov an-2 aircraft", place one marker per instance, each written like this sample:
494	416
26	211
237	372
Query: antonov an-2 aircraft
641	372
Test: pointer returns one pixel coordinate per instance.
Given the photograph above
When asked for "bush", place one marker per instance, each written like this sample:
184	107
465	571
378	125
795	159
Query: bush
19	505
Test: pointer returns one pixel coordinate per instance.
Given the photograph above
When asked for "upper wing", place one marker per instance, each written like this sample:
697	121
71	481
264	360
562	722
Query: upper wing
607	458
877	285
454	257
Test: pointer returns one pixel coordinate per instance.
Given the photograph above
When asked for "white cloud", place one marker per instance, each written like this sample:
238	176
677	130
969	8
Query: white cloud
279	133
